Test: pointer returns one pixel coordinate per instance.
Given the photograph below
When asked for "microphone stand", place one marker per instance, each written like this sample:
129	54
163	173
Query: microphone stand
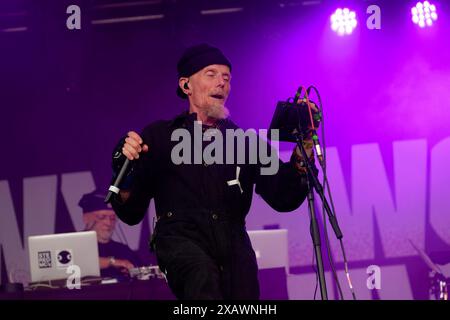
290	120
314	226
313	182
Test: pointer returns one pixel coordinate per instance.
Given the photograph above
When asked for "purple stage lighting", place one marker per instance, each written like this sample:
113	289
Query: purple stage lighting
343	21
423	14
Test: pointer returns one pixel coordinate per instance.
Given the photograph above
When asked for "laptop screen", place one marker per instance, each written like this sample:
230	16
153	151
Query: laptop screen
51	255
271	248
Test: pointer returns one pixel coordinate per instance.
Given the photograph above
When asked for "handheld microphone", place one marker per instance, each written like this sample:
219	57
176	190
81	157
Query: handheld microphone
114	188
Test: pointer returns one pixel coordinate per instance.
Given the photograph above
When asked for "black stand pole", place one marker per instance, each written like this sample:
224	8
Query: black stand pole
314	226
315	235
314	181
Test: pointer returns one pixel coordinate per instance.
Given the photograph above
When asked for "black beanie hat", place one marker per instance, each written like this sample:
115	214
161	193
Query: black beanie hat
197	57
93	201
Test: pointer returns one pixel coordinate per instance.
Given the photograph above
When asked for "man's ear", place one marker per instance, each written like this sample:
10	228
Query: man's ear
184	85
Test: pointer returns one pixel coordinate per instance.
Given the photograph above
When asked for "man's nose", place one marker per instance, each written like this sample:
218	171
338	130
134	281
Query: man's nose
109	222
221	82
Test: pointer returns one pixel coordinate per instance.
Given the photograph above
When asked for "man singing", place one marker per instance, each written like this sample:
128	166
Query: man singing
200	237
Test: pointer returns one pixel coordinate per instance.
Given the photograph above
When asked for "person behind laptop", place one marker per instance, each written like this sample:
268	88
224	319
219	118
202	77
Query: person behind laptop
115	258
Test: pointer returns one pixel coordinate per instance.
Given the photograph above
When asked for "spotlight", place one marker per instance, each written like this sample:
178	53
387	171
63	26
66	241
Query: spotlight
343	21
423	14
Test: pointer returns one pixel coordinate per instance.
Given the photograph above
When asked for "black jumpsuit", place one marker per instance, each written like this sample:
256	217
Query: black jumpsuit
200	237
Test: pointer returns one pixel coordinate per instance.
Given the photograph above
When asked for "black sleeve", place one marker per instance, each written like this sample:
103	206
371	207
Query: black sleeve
284	191
142	185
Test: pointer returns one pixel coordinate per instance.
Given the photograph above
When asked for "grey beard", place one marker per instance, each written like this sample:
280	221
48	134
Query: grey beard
217	112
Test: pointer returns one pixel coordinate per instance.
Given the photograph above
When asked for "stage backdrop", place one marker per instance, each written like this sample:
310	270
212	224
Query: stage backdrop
67	96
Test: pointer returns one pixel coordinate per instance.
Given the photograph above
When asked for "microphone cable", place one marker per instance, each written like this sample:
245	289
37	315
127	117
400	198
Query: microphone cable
328	190
323	165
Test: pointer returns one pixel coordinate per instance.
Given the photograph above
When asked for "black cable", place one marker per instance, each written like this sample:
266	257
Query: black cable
330	256
347	271
297	94
316	271
325	180
317	275
328	190
327	185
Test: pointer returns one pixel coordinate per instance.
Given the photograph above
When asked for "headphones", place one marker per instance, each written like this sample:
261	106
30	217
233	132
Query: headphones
186	86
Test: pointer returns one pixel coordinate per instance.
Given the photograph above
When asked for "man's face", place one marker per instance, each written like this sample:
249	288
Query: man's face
103	222
210	88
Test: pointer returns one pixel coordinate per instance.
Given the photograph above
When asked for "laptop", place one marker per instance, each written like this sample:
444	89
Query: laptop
271	248
51	255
